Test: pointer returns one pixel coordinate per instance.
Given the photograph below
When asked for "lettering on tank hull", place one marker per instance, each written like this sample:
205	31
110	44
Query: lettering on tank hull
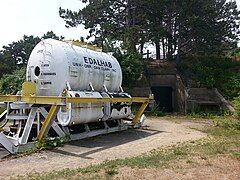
96	62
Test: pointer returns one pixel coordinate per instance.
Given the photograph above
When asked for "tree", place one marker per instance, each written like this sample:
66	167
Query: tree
11	83
13	61
176	27
20	51
113	20
16	54
52	35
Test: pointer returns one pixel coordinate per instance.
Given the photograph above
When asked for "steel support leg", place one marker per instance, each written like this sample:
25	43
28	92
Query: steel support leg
48	122
139	113
55	126
28	126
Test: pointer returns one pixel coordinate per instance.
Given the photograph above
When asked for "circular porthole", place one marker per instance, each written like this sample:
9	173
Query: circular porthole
37	71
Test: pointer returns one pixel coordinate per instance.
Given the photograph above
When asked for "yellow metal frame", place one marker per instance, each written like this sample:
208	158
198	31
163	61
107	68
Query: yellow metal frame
28	88
85	45
60	101
56	102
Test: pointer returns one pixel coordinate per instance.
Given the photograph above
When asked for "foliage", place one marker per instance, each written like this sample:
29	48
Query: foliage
185	27
228	123
50	144
156	111
20	51
52	35
131	65
13	61
212	71
16	54
236	103
11	83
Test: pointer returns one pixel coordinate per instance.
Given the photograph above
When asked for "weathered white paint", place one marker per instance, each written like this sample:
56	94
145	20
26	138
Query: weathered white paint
60	63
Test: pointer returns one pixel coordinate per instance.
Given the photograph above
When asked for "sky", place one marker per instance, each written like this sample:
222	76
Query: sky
36	17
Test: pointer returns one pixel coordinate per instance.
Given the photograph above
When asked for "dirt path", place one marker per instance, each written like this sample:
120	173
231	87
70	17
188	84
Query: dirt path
157	133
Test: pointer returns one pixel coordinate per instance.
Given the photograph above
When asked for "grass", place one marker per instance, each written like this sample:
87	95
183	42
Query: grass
223	139
44	144
156	112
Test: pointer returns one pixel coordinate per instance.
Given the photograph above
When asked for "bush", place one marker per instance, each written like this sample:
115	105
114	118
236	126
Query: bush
236	103
231	124
12	83
213	72
131	65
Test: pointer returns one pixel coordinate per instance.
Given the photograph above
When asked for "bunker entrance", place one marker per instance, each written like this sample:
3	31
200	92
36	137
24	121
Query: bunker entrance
163	97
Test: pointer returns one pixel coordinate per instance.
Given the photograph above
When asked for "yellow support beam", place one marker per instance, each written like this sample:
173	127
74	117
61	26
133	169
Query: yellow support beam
61	101
9	98
139	113
48	100
52	100
103	100
47	122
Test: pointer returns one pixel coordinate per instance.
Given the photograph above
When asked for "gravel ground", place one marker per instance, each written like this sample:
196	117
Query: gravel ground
156	133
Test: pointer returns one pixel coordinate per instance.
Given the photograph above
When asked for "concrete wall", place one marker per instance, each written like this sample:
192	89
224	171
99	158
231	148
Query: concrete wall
161	74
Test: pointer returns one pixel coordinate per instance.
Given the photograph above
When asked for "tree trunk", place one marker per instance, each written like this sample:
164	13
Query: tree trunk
164	50
141	48
158	55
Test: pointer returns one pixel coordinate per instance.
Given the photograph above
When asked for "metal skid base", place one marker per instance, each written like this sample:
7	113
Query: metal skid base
33	118
91	133
8	144
12	147
20	141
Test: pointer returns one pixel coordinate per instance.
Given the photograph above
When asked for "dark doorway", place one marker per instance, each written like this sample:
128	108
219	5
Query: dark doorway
163	98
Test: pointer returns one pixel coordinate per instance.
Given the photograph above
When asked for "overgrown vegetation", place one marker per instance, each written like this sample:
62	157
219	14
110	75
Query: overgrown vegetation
47	144
132	67
211	71
11	83
223	140
13	62
237	106
156	111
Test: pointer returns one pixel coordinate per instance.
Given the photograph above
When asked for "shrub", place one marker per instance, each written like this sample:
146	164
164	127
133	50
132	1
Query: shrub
131	65
236	103
12	83
213	72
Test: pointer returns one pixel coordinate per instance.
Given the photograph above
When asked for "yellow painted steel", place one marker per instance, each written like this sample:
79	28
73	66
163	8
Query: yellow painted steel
98	100
53	100
9	98
61	101
85	45
47	122
139	113
48	100
28	88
